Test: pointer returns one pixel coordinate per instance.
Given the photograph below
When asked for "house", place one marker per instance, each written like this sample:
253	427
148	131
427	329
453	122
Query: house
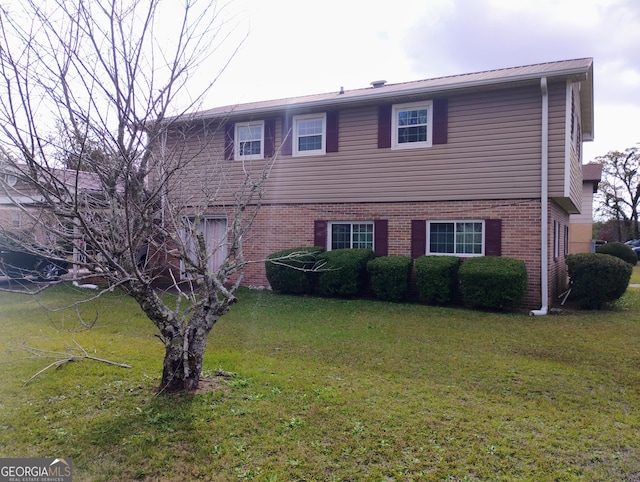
581	225
480	164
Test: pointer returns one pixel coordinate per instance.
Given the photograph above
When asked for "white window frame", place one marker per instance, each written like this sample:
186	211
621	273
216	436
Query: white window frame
351	223
237	127
296	135
397	108
455	222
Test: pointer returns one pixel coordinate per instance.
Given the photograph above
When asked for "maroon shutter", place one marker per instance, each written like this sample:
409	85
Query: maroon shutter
493	237
269	137
418	238
440	120
384	126
229	140
332	131
287	135
320	233
381	235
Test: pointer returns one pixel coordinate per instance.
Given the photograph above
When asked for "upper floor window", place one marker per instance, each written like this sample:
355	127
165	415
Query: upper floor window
412	125
455	237
249	140
309	134
351	235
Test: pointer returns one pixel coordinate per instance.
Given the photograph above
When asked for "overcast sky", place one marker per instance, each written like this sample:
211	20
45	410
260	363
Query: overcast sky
297	47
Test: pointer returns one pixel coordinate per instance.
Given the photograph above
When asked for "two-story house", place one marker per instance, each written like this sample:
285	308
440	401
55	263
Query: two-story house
480	164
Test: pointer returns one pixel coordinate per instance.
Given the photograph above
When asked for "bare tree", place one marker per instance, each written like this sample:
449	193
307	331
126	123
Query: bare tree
90	96
619	192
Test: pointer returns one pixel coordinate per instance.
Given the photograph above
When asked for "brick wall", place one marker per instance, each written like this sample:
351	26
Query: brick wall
283	226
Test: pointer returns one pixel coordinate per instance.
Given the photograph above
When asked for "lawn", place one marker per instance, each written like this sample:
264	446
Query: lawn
329	389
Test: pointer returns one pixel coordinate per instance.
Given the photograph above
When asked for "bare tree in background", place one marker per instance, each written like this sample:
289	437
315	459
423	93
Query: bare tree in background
619	191
91	90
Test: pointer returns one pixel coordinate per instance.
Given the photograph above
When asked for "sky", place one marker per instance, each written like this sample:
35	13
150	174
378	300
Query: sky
298	47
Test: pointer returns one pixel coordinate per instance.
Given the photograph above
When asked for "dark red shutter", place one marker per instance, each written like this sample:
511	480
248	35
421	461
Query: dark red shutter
440	120
229	140
493	237
320	233
381	236
418	238
269	137
384	126
332	131
287	135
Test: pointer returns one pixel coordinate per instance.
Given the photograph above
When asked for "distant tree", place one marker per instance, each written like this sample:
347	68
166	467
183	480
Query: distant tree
93	86
619	192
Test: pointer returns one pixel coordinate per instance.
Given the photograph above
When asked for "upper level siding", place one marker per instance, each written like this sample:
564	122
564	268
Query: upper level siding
493	152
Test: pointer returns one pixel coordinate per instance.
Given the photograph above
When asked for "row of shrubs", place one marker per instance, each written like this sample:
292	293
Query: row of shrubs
482	282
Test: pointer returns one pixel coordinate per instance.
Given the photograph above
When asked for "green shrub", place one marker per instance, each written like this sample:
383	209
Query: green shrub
344	272
390	277
437	278
597	279
619	250
491	282
288	270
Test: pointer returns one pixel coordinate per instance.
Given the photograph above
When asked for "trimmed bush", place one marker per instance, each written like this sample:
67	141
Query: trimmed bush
390	277
491	282
619	250
345	271
597	279
288	270
437	278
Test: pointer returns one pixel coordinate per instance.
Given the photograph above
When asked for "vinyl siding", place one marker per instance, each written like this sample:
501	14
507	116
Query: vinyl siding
493	152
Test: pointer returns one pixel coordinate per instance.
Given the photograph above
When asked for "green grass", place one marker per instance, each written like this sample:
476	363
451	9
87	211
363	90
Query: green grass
635	275
330	389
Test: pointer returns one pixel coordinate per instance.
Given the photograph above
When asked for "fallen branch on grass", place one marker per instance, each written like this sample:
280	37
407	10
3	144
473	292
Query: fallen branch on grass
63	358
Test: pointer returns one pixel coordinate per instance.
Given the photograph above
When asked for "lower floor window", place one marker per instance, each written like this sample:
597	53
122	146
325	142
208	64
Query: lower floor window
351	235
455	237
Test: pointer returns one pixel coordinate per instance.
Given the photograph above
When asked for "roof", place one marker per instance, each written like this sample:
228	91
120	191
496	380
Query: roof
592	173
576	70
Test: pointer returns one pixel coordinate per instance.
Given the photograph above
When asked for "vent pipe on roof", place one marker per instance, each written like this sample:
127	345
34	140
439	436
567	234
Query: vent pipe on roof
378	83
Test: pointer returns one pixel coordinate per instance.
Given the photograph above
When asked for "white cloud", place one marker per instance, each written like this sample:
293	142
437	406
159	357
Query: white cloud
296	48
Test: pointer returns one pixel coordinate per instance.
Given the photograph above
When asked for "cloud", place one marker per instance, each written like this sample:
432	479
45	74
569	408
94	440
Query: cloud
476	35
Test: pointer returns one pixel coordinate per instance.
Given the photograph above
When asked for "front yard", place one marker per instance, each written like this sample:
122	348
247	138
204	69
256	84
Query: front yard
328	389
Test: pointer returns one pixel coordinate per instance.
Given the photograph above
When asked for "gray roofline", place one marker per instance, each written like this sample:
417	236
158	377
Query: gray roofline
577	70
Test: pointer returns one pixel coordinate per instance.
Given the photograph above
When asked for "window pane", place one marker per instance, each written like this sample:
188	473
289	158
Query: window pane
309	127
412	134
412	126
412	117
340	236
310	143
469	238
441	238
249	148
363	236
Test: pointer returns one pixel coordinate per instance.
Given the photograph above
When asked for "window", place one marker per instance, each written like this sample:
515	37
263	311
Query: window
351	235
249	140
463	238
309	134
411	125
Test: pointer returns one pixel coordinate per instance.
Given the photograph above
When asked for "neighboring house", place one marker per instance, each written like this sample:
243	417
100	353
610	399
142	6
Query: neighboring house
22	207
581	225
481	164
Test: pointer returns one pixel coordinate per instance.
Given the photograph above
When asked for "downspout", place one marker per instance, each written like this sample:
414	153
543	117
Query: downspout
544	204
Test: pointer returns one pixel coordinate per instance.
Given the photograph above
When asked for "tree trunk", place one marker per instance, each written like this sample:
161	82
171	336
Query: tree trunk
183	360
